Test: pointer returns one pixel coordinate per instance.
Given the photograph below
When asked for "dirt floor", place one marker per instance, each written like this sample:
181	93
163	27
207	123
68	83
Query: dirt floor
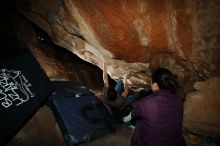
120	138
43	130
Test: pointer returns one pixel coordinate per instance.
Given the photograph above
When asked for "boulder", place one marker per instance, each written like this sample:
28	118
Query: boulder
202	110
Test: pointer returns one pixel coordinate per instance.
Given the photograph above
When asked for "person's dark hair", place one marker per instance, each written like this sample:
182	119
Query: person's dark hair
165	80
111	94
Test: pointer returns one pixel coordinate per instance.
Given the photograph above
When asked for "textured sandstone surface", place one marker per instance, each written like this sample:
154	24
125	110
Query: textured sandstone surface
135	36
201	108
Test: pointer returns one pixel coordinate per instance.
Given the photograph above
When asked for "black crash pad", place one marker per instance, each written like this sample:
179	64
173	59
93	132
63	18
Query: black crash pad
24	87
79	114
70	89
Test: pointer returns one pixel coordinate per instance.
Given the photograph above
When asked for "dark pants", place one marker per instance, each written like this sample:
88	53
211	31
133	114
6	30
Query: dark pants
137	96
119	88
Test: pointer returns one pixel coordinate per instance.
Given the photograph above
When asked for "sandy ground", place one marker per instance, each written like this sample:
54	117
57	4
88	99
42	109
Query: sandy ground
121	137
43	130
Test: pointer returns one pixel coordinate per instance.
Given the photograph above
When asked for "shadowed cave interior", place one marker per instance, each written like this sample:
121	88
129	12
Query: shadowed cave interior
70	41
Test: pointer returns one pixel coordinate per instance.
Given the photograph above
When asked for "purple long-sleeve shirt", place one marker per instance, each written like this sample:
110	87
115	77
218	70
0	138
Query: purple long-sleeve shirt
159	119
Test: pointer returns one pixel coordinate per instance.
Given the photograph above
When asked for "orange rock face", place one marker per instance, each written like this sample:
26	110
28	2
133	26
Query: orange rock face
127	29
180	35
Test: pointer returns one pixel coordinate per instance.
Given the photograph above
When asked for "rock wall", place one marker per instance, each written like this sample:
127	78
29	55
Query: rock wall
134	36
58	62
201	109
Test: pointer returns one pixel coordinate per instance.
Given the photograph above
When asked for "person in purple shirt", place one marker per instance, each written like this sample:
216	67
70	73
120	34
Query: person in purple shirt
159	116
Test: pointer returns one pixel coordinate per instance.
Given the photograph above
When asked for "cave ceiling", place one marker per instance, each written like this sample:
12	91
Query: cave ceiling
134	37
